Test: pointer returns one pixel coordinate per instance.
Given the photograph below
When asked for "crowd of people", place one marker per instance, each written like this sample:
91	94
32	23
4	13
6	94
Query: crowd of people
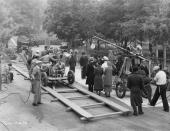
98	73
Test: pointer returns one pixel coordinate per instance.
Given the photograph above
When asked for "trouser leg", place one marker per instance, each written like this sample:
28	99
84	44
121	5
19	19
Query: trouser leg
36	97
133	106
91	87
140	111
149	93
39	95
155	97
164	99
83	72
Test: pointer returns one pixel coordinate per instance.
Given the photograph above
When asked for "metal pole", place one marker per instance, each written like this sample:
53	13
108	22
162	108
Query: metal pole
119	47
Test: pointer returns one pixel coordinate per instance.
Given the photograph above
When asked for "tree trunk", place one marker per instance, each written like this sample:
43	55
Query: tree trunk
157	53
164	54
0	72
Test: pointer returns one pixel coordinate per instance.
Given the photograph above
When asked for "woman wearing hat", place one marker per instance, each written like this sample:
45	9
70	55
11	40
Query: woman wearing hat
90	74
107	78
98	81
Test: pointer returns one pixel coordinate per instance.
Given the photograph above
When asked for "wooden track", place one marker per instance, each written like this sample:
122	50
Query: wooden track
72	96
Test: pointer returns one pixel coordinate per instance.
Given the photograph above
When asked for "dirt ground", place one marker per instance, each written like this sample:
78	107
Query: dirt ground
17	115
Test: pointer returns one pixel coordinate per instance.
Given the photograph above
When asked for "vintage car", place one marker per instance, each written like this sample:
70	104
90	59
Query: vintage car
54	73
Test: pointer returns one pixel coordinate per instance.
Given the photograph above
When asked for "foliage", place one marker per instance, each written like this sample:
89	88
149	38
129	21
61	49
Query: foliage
19	17
70	20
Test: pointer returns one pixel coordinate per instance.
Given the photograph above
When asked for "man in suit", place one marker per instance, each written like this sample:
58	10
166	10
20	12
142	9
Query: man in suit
83	63
135	84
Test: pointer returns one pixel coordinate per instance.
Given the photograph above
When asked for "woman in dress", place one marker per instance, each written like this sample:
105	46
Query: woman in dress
98	81
107	78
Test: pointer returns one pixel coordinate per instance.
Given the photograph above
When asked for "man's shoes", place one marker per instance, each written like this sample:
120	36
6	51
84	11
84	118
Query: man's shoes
166	110
34	104
40	103
141	113
135	113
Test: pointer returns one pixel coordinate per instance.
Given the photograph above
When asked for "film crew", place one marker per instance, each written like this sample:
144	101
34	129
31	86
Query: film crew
98	80
36	82
83	63
107	78
72	62
160	79
90	74
135	84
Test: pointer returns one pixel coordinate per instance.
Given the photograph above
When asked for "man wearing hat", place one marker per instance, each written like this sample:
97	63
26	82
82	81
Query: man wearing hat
160	79
90	74
36	81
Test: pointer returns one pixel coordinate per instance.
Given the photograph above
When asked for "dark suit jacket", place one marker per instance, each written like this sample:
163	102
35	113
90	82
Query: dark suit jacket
135	82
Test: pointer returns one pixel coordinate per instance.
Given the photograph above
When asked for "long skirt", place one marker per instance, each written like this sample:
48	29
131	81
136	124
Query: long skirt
107	88
98	83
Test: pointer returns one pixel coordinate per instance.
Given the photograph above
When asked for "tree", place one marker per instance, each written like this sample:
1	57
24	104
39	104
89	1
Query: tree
70	20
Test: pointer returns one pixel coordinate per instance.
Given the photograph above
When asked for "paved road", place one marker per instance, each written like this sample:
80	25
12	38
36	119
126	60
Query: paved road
19	116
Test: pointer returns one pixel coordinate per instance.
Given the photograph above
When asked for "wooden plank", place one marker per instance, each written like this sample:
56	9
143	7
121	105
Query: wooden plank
111	104
93	105
69	103
78	97
66	90
21	72
107	115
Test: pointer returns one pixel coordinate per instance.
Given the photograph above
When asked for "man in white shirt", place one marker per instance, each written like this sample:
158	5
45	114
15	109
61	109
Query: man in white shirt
160	80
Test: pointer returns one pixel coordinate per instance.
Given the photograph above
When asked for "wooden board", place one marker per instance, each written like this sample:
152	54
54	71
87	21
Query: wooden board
21	72
111	104
69	103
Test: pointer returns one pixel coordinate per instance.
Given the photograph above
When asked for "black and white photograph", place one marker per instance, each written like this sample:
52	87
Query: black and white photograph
84	65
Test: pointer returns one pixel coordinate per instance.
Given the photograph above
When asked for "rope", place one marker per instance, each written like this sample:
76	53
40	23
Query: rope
17	93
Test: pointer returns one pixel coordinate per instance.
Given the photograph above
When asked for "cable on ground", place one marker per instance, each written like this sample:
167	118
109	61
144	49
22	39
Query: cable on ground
6	127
